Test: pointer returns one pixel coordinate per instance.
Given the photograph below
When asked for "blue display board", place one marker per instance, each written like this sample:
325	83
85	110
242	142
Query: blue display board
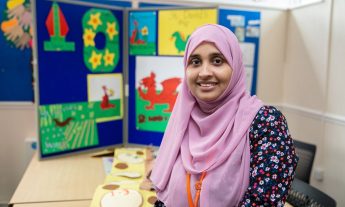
136	136
147	117
246	26
157	41
80	81
16	69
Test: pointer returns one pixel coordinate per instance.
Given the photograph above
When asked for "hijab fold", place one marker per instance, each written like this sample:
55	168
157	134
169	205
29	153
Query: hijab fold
208	136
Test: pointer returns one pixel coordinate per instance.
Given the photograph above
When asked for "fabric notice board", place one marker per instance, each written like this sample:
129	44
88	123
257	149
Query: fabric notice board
80	79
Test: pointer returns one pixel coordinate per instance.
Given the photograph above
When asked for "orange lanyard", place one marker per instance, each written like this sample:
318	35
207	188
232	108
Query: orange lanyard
198	185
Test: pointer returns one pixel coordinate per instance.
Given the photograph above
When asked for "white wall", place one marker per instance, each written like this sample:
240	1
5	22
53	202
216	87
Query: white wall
334	136
272	55
314	96
16	123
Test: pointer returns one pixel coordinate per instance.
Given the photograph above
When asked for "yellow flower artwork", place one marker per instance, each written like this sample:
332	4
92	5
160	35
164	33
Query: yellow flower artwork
145	31
111	30
95	59
95	20
108	58
88	37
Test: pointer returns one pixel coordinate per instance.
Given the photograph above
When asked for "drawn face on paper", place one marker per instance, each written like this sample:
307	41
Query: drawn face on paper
122	197
208	73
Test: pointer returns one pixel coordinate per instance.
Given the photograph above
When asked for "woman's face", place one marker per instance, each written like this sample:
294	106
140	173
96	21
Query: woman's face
208	73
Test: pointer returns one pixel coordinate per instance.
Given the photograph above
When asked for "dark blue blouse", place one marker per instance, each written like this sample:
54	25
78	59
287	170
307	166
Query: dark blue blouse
272	160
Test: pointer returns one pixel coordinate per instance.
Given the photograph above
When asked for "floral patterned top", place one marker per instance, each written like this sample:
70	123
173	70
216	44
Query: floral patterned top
272	160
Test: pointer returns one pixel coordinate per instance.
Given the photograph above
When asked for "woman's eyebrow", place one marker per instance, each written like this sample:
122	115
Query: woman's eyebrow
217	54
194	56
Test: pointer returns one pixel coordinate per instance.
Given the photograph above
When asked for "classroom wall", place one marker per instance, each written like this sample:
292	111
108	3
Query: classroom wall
314	98
16	123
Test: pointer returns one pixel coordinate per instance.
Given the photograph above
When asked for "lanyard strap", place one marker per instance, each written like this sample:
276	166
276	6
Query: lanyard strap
198	185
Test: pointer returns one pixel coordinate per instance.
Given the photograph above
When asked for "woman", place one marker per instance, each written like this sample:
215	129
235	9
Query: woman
222	147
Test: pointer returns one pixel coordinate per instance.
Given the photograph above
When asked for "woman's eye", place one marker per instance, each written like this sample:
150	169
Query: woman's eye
217	61
195	62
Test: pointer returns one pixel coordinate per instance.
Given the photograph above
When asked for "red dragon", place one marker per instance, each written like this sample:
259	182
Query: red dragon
167	96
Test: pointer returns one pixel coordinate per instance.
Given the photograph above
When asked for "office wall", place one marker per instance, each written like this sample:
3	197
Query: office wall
16	123
314	97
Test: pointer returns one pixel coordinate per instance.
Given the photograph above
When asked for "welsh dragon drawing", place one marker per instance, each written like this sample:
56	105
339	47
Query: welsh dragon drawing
167	96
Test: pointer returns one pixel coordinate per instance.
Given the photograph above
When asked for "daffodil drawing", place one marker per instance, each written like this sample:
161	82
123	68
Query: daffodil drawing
111	30
95	20
89	37
95	59
108	58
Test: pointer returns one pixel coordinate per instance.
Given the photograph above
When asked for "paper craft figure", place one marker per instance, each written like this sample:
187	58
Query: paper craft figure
180	41
62	123
130	158
105	104
57	28
17	24
167	96
123	186
134	39
128	174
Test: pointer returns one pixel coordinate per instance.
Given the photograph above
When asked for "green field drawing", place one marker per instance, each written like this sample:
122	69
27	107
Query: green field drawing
65	127
143	49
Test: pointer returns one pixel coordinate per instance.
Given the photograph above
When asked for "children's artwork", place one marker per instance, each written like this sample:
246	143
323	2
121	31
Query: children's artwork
175	27
17	23
79	108
16	73
124	185
157	85
68	126
57	27
122	197
100	57
106	92
142	33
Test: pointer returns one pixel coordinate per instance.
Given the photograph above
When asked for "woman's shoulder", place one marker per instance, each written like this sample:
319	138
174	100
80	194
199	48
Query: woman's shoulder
269	125
266	111
267	114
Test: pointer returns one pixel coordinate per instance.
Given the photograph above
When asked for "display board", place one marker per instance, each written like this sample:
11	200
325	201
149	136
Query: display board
15	43
80	69
155	76
246	26
80	79
157	40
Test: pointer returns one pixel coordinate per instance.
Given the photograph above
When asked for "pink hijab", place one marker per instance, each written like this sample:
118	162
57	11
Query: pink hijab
208	136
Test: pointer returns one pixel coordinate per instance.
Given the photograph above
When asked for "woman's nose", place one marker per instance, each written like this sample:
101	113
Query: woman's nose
205	70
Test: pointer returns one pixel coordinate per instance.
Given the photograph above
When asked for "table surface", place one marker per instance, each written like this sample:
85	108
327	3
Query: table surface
72	178
60	182
84	203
